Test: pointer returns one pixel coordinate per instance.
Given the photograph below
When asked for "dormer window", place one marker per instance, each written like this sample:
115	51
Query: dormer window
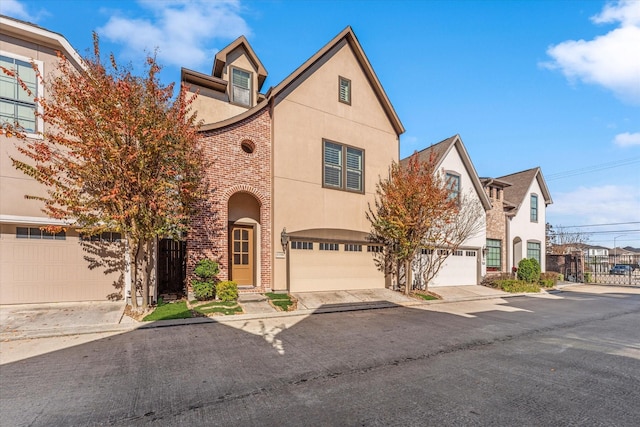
344	92
240	87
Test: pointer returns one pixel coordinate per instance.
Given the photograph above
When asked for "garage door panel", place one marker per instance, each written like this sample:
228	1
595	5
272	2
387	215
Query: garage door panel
316	270
458	270
42	270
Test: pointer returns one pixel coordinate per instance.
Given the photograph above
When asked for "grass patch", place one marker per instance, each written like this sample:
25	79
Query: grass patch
167	311
223	307
517	286
282	301
273	296
425	297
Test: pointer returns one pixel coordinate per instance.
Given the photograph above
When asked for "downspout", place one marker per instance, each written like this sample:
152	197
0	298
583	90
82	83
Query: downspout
507	245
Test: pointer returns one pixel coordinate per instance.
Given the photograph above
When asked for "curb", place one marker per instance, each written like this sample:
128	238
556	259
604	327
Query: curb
325	309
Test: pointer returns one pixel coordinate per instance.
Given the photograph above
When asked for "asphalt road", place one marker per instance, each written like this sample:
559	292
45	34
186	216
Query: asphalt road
569	359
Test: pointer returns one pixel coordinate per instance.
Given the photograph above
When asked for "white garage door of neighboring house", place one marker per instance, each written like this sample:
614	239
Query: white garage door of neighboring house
330	269
48	270
458	270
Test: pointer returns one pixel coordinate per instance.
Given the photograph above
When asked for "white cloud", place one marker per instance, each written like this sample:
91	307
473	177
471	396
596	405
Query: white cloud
15	9
627	139
597	205
611	60
181	30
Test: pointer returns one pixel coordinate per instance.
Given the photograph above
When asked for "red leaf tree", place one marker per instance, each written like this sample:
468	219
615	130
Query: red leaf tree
118	152
408	204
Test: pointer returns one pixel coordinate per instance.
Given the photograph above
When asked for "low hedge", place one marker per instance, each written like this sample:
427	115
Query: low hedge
227	291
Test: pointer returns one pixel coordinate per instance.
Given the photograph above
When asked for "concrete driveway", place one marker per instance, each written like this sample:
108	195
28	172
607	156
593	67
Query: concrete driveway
316	300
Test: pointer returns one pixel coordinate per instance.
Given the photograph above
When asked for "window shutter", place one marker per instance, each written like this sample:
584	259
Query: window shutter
241	86
332	165
345	90
354	169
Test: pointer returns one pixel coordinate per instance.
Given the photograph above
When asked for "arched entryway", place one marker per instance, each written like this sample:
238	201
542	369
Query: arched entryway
517	251
244	239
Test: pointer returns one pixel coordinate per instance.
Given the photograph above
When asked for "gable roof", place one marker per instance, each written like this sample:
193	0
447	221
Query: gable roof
221	59
348	35
441	150
27	31
520	184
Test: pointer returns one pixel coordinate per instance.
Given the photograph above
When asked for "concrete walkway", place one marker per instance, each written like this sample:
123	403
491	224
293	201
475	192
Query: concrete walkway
18	322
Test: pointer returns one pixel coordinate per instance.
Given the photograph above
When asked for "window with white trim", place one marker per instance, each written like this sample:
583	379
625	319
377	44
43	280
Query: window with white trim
374	248
533	250
452	181
240	87
349	247
16	104
302	245
340	174
37	233
534	208
344	93
494	255
106	236
329	246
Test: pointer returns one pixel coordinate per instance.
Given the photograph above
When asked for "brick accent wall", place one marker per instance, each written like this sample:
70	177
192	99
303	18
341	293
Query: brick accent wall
231	170
496	228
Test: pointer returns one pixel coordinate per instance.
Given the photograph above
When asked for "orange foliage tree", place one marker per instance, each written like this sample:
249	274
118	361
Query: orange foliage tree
408	203
118	152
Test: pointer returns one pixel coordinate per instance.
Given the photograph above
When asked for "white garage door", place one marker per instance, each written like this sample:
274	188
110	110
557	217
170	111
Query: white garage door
460	268
329	267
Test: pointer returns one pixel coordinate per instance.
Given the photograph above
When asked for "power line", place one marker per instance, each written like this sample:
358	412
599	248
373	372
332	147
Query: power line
598	225
598	232
592	168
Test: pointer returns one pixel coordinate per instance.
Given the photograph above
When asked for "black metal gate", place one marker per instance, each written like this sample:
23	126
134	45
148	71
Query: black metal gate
573	268
172	266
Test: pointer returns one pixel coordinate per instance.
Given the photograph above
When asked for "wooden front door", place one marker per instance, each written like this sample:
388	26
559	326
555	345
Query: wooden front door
242	251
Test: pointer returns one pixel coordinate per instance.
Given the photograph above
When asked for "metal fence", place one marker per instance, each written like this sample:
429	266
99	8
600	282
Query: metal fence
629	279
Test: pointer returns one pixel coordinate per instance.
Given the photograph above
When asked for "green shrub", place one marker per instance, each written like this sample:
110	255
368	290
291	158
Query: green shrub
516	286
587	277
204	291
206	269
549	279
529	270
227	291
205	288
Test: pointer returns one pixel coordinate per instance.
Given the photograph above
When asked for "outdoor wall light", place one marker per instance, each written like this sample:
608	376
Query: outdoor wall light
284	238
484	251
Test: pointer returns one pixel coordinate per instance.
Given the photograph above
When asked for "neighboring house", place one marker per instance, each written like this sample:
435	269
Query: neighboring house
596	258
627	256
36	266
516	223
292	170
466	264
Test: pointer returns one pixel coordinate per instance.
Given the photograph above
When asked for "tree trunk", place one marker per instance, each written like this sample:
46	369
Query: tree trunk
407	276
149	261
133	265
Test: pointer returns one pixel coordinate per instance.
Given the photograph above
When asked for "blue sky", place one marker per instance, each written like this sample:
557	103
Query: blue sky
554	84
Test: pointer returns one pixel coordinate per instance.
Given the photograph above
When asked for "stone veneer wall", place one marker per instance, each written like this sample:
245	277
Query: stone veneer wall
496	227
230	170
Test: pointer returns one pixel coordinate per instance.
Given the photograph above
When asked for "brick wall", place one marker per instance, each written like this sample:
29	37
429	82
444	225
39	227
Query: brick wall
229	170
496	228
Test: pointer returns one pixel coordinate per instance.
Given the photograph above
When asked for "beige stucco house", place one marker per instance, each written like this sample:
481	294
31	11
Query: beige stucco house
464	264
293	168
516	224
36	266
